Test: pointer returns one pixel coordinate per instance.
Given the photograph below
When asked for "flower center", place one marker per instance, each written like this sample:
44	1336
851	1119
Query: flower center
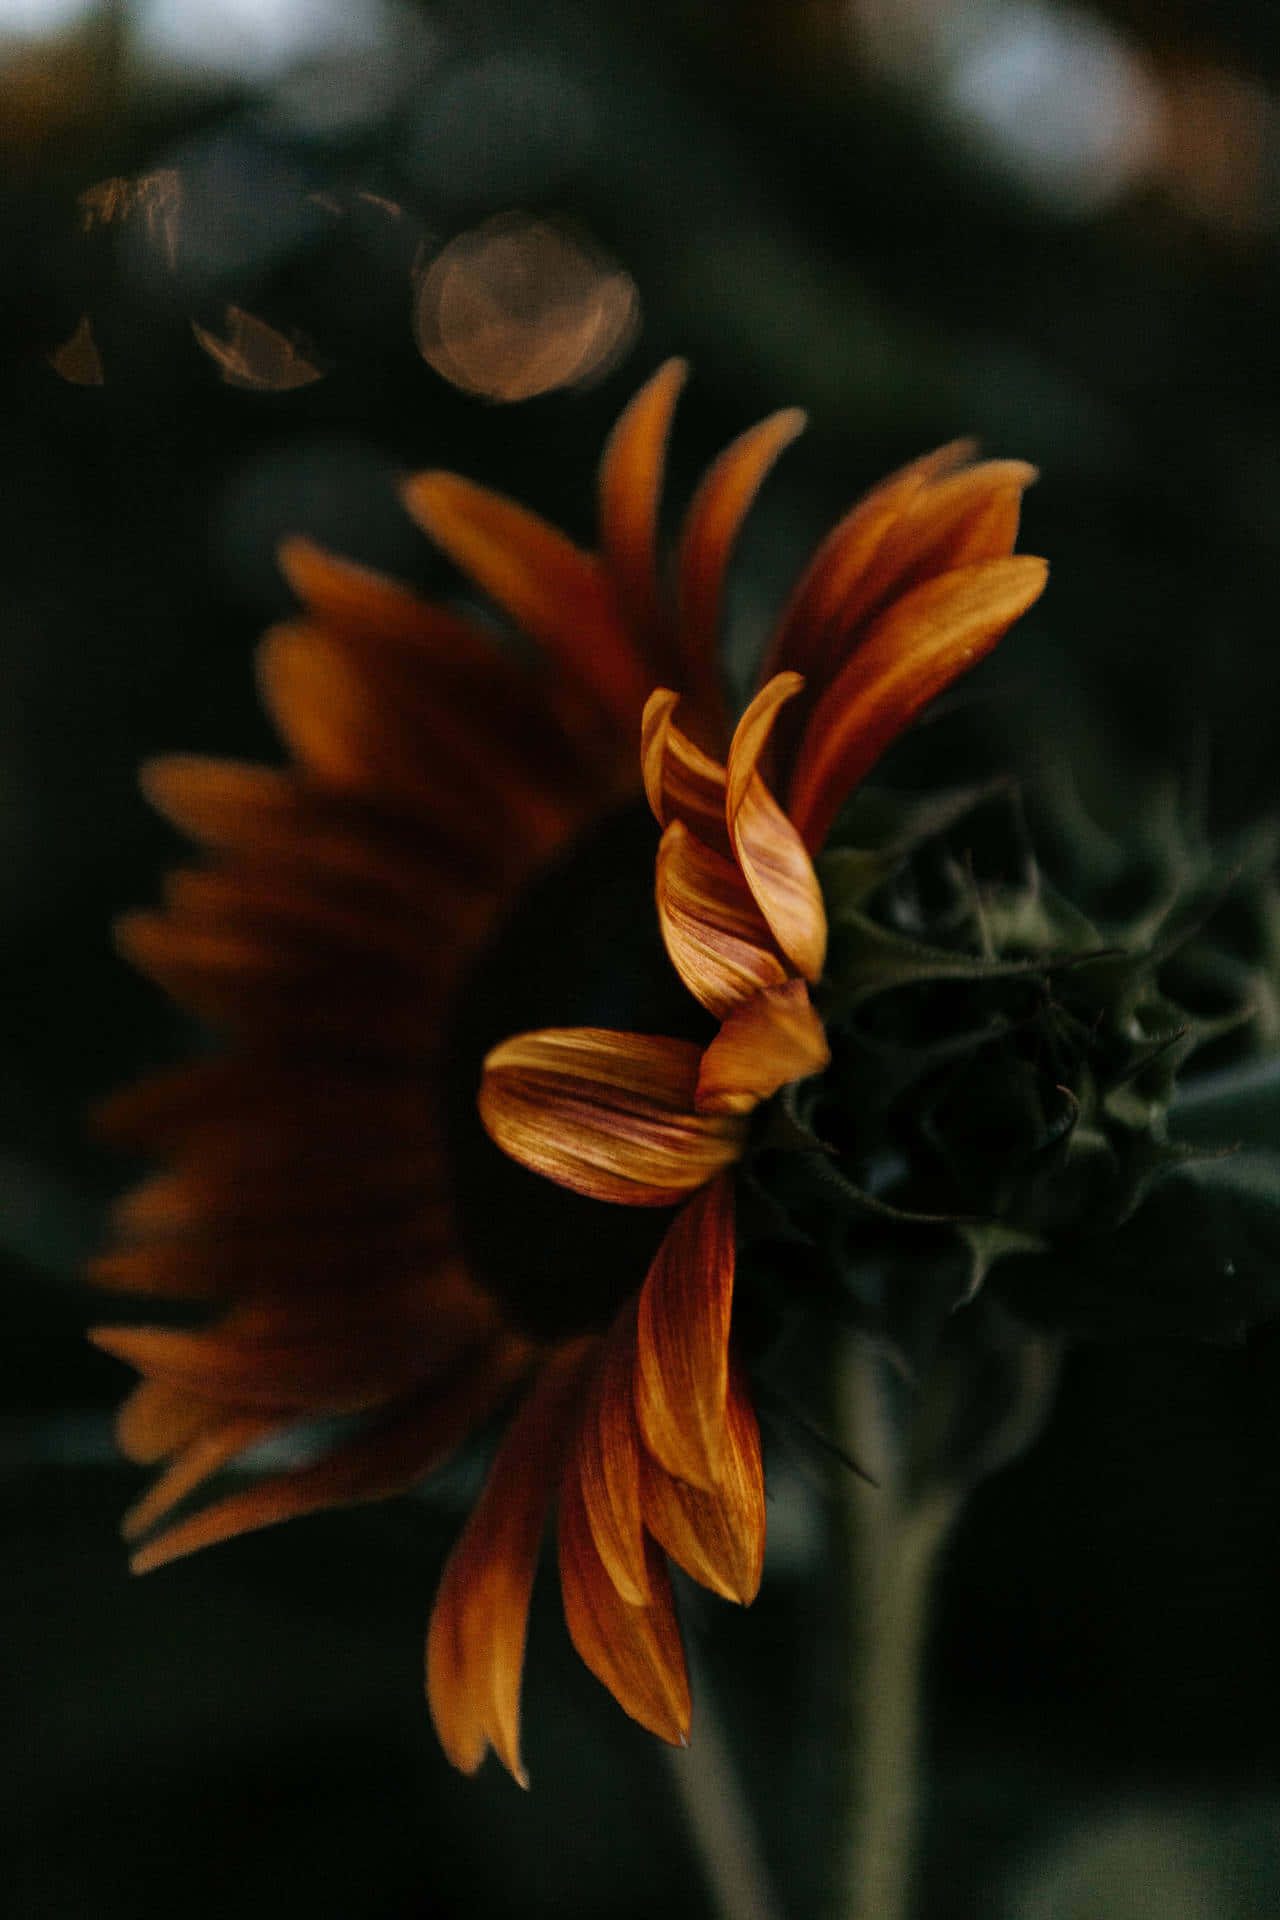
581	948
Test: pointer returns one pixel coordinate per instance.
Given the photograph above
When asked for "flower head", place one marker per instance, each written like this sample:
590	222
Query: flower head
311	1207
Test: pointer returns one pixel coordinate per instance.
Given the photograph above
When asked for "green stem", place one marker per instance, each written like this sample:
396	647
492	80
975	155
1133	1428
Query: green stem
892	1547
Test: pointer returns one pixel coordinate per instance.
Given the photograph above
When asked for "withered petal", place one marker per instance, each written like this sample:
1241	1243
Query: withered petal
774	860
610	1115
773	1038
682	1357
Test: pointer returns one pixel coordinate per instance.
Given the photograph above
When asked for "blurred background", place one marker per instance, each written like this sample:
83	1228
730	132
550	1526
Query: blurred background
262	256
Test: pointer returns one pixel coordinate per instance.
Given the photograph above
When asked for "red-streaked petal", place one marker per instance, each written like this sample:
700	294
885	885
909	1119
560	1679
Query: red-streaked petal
910	654
770	852
635	1651
610	1115
811	635
630	485
710	529
475	1645
556	593
680	780
716	1536
379	1461
607	1459
682	1359
715	934
769	1041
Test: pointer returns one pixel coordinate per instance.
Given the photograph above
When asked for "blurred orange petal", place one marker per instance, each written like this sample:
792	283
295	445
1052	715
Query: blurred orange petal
632	471
610	1115
710	529
559	595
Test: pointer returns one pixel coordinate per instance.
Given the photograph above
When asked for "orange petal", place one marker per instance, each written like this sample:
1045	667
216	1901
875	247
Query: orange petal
775	1037
379	1461
812	634
716	1536
634	1651
608	1463
680	780
157	1418
607	1114
475	1645
631	476
202	1456
910	654
710	529
682	1361
557	594
362	604
713	930
770	852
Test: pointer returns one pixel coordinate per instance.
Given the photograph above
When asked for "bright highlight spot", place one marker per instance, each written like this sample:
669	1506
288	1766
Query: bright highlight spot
252	39
35	19
518	307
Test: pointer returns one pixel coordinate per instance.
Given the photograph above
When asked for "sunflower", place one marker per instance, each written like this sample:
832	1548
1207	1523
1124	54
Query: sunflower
439	779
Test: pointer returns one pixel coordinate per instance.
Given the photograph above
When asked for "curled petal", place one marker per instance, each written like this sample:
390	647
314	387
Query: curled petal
630	486
717	1535
557	594
775	1037
910	654
610	1115
715	934
380	1460
475	1644
635	1651
710	529
770	852
680	780
608	1463
682	1358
